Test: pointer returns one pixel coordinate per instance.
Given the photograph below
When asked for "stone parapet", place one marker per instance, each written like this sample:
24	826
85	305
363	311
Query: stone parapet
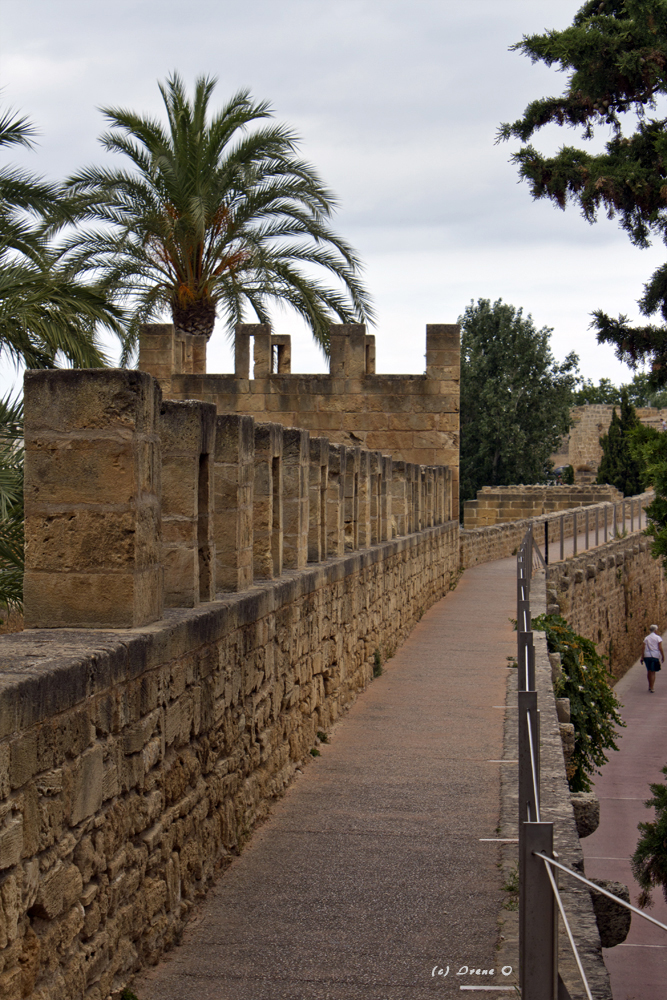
502	504
92	499
480	545
133	763
167	502
412	418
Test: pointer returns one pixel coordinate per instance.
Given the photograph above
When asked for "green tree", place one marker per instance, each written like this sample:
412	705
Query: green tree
590	394
47	313
615	58
594	708
649	861
11	503
216	214
620	465
651	446
515	399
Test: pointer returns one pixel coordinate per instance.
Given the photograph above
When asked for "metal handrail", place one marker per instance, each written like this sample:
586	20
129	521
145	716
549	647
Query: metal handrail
604	892
533	767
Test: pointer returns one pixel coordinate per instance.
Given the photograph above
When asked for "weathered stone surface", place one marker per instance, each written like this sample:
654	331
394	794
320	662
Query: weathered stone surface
586	806
142	758
563	709
92	488
415	418
613	919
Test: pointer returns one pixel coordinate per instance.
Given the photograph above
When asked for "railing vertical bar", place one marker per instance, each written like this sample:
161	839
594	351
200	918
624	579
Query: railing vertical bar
546	542
538	917
597	527
606	511
556	895
574	530
632	515
562	537
586	534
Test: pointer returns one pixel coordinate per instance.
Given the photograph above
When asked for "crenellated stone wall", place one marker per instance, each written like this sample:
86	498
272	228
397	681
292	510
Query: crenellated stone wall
203	594
412	418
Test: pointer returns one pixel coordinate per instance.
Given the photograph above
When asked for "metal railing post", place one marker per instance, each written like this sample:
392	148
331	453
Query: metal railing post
562	537
597	527
586	533
546	542
574	530
538	917
528	799
632	515
615	525
606	511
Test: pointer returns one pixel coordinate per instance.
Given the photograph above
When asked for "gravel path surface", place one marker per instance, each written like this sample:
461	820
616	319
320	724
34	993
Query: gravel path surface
370	875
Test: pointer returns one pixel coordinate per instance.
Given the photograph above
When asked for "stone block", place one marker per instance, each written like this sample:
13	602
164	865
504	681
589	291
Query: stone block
87	784
11	841
613	919
58	890
586	807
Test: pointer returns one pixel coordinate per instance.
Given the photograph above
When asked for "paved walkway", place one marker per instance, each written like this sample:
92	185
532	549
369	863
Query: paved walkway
637	968
371	871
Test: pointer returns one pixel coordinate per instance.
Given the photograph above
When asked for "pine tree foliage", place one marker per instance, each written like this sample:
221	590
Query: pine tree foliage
649	861
215	215
515	399
620	465
594	708
615	57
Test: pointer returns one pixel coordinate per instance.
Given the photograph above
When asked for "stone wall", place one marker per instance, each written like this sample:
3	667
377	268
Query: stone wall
611	595
500	504
133	762
480	545
581	447
412	418
203	594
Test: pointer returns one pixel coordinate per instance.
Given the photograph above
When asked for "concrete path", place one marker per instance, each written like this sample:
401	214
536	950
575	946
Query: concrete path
371	873
637	968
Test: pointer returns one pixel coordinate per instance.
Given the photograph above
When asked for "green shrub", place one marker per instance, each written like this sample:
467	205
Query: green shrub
649	862
593	705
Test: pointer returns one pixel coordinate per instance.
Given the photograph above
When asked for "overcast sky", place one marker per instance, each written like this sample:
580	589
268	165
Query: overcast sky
397	103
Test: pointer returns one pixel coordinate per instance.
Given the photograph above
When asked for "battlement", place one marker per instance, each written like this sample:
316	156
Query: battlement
412	418
134	503
503	504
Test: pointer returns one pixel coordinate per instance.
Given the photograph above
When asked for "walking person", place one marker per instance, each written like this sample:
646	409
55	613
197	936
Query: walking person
652	655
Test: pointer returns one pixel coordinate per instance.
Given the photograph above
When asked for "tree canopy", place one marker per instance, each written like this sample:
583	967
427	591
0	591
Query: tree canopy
620	465
216	214
47	313
615	58
515	398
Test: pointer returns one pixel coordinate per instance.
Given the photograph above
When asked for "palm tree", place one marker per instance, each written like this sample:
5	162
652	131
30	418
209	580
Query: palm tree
46	312
11	503
214	216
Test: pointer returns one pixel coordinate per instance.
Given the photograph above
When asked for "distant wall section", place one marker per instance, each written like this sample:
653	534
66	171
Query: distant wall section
412	418
581	448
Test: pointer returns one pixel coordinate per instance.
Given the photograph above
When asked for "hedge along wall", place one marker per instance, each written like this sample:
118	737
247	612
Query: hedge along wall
611	595
499	541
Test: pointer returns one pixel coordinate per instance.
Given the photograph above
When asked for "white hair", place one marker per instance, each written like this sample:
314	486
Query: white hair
653	628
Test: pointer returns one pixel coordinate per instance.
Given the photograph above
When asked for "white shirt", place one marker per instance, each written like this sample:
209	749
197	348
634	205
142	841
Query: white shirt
651	647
